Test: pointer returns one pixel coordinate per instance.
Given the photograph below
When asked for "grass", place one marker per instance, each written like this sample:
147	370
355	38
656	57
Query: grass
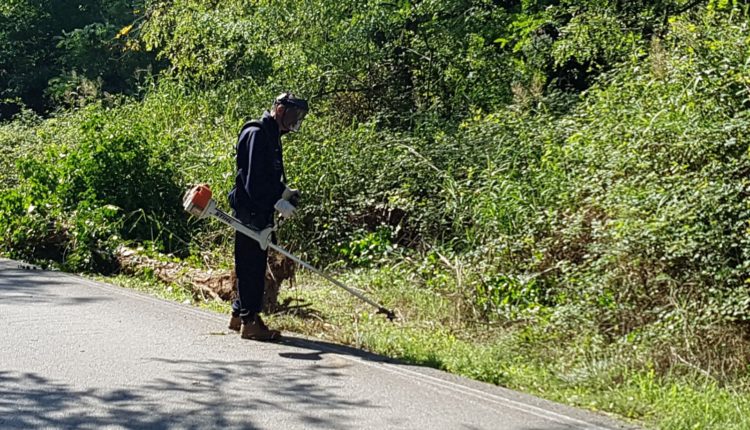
525	356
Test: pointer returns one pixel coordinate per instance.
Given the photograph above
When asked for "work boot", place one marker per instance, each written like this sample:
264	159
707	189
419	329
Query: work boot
258	330
235	323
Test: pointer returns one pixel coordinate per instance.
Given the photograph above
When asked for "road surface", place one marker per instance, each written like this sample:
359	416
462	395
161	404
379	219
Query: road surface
81	354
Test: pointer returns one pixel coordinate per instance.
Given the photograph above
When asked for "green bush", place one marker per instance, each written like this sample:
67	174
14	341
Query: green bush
659	212
53	53
76	197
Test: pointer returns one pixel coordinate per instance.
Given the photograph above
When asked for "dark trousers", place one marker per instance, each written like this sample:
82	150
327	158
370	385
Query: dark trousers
250	267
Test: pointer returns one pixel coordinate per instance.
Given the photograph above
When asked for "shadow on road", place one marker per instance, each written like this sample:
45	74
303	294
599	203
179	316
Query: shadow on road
199	394
320	347
22	286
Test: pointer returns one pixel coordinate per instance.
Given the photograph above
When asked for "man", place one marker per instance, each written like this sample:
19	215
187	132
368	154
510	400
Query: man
259	190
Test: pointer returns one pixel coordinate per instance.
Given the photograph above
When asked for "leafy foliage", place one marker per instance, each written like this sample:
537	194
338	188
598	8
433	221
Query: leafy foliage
574	170
50	49
76	200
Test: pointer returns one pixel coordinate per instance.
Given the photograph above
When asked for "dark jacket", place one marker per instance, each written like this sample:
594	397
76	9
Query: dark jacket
260	179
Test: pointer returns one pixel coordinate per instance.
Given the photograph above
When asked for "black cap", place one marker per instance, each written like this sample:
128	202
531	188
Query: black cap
289	99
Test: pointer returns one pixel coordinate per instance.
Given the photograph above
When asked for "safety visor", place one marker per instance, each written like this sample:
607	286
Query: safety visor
296	116
296	109
300	114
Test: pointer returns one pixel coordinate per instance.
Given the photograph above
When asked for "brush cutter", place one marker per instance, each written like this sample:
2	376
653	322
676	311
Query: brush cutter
199	203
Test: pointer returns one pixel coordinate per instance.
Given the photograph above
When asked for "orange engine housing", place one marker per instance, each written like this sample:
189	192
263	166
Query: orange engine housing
201	195
197	199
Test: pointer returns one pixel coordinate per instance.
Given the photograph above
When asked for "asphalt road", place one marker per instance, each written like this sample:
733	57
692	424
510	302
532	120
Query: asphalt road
81	354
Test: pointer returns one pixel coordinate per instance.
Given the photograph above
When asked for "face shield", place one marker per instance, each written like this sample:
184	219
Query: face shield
295	110
296	118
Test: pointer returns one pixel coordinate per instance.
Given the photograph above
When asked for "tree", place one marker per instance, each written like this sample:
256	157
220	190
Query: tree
44	40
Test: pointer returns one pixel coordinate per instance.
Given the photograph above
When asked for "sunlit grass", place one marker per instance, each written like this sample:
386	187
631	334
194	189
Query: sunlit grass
522	358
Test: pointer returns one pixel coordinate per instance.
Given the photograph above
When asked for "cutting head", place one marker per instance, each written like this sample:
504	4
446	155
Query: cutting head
388	313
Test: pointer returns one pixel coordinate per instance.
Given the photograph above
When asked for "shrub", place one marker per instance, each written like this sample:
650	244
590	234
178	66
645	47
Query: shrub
75	195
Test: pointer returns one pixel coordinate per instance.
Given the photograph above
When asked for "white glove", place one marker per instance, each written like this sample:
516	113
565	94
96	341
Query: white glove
285	208
264	236
289	193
